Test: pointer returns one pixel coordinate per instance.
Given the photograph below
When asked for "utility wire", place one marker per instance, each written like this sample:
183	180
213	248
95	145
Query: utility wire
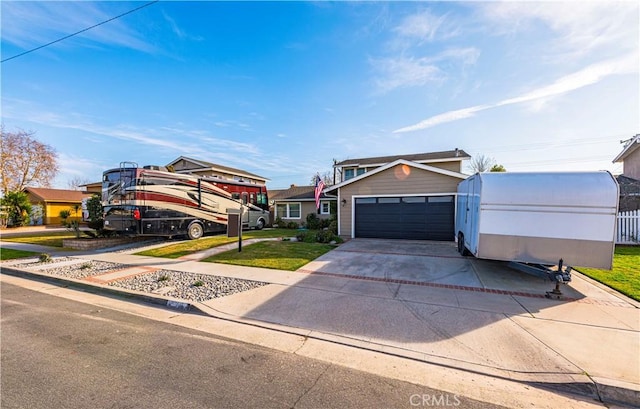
81	31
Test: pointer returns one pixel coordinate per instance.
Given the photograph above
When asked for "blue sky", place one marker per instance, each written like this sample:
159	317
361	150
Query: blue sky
282	88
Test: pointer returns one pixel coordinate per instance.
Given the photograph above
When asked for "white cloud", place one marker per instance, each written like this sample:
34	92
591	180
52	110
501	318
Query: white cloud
585	77
401	71
444	118
405	72
424	27
417	52
580	27
32	24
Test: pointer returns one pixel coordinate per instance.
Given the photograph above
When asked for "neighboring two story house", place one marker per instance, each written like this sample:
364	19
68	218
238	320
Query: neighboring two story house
201	168
399	197
629	181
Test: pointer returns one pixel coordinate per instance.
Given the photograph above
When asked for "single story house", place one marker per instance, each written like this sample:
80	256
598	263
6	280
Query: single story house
399	197
49	203
296	202
629	181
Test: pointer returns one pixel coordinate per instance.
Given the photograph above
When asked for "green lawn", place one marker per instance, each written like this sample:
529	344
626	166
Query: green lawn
281	255
192	246
52	239
625	275
9	254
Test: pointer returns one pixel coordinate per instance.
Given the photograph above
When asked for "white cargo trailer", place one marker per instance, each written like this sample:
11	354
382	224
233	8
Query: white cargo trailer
539	217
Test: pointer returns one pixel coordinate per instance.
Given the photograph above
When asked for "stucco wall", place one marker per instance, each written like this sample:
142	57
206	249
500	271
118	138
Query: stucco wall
52	212
399	180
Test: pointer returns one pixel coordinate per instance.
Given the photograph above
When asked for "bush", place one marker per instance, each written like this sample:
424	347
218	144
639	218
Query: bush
313	222
317	236
292	225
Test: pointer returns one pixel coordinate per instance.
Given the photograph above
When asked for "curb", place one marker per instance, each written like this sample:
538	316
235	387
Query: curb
170	303
600	389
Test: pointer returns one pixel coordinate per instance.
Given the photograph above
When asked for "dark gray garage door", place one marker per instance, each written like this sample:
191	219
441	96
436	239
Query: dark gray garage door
412	218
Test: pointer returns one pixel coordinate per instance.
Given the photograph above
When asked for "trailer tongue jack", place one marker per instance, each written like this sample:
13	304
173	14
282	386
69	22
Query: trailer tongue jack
560	276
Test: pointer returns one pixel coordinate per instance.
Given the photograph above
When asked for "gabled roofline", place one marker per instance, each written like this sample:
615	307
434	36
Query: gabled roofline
208	165
395	163
442	156
372	165
628	149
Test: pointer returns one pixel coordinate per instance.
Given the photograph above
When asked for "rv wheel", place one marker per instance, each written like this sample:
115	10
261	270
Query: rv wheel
260	224
195	231
461	248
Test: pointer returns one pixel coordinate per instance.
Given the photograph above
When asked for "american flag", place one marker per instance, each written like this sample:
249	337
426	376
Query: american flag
319	187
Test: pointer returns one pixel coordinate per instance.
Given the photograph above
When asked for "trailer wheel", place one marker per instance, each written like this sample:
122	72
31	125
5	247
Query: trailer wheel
195	231
461	248
260	224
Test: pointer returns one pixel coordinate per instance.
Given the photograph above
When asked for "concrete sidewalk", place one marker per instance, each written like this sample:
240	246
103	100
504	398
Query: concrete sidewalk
589	345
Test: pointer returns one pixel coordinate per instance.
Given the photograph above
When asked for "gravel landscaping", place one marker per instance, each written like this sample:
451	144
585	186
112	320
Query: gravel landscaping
77	270
174	284
187	286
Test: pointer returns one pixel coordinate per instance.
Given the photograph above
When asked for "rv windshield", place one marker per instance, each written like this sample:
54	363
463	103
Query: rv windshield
113	184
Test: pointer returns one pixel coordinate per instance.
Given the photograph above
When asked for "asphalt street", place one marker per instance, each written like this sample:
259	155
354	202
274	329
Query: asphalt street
62	353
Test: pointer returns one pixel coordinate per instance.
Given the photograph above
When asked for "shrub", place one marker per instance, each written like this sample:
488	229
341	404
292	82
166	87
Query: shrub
333	226
45	258
292	225
313	222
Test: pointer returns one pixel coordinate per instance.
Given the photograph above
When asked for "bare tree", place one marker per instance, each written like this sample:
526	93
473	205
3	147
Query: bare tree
75	183
481	163
25	161
327	178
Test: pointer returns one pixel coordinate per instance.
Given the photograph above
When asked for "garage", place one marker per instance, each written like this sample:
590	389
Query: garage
405	217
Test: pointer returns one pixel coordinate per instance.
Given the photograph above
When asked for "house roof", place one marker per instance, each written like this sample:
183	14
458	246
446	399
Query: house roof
629	148
298	193
393	164
456	154
57	195
204	165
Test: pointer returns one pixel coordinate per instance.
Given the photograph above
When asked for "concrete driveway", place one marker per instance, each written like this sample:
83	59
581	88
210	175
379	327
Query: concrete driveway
428	263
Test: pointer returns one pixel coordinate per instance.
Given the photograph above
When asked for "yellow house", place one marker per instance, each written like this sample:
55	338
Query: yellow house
53	201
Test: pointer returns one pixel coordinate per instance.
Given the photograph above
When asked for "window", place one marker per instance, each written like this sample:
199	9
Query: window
388	200
288	210
350	173
414	199
325	208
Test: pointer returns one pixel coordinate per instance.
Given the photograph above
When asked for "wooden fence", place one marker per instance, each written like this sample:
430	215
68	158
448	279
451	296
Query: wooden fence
628	231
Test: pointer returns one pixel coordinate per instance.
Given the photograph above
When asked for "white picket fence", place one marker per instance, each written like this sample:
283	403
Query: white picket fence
628	227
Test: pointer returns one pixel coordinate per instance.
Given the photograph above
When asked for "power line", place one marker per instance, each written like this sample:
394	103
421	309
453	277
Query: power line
81	31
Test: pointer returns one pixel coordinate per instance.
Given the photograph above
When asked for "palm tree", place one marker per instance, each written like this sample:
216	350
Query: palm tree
18	208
